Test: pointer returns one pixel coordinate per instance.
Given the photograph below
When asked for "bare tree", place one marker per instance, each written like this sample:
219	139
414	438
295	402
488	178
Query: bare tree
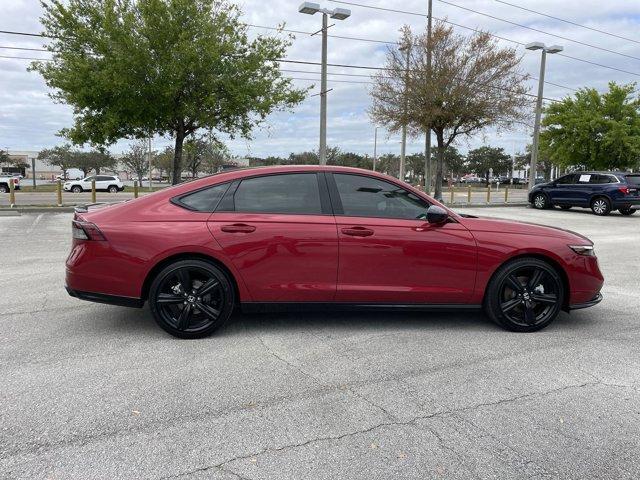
473	84
137	159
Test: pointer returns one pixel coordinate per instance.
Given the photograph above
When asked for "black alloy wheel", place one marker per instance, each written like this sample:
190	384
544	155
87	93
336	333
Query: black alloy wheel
191	298
540	201
524	295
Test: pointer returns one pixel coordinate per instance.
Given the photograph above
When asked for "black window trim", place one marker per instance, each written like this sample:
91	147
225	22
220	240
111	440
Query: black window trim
336	201
177	200
228	199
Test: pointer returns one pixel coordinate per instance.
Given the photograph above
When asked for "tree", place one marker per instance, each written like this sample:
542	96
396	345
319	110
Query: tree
194	153
4	157
164	161
482	160
95	159
598	131
61	156
137	160
473	84
135	68
454	161
306	158
216	155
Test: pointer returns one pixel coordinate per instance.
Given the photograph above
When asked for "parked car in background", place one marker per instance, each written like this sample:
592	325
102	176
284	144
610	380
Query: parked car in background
600	191
108	183
5	179
471	179
72	174
325	237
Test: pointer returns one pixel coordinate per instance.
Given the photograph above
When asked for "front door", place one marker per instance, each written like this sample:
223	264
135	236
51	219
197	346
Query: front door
279	233
389	253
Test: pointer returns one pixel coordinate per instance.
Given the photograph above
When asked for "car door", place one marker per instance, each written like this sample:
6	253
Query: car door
103	182
86	183
280	234
389	253
560	192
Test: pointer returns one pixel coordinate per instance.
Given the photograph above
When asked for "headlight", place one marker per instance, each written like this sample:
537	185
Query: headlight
586	250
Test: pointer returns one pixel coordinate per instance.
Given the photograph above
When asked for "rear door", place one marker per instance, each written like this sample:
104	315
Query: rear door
389	253
103	182
279	232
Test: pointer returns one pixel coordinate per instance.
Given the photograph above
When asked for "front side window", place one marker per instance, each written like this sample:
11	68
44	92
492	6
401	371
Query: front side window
566	180
89	179
205	200
363	196
294	193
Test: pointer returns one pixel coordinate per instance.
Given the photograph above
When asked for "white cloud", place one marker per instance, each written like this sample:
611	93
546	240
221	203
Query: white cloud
30	120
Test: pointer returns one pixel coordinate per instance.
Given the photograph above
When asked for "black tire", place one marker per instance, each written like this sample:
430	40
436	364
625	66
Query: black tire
4	188
113	189
76	189
540	201
565	207
601	206
530	304
627	211
190	313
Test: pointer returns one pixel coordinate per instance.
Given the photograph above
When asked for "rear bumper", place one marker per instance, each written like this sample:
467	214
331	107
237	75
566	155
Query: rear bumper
109	299
626	203
594	301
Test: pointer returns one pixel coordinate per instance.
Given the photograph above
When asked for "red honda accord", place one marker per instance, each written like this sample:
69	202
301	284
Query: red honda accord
309	237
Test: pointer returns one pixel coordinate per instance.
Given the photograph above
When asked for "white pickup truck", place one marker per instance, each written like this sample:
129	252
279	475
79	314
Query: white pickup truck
4	182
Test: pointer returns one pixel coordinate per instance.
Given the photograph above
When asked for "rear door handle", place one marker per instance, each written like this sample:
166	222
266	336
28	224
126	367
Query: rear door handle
357	231
238	228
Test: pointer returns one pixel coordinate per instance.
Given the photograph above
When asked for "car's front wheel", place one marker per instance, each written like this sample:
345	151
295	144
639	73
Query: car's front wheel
600	206
540	201
524	295
76	189
627	211
191	298
113	189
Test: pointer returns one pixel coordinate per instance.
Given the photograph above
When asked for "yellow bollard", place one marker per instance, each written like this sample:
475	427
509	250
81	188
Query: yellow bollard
12	193
506	194
488	193
451	190
469	194
59	193
93	190
135	189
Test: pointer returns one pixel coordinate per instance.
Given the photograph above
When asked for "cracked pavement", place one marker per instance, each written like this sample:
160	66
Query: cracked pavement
96	391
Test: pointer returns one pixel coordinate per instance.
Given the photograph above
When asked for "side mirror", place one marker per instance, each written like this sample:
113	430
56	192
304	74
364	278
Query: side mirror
436	214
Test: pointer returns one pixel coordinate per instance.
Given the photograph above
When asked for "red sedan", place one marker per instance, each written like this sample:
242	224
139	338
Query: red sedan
309	236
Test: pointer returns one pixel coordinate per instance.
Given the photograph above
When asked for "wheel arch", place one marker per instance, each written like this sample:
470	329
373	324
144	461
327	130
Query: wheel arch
188	256
545	258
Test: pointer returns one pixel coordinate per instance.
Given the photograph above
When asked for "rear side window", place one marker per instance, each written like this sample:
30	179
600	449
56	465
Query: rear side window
633	180
363	196
205	200
295	193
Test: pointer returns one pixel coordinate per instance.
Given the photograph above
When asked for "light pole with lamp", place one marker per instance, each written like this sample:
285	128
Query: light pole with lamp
536	126
310	8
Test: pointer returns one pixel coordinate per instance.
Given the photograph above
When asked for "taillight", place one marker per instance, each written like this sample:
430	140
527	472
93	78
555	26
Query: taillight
16	181
624	190
86	231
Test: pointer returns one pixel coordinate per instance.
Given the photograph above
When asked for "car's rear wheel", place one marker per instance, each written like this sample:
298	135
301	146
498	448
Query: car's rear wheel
76	189
191	298
113	189
4	189
600	206
524	295
627	211
540	201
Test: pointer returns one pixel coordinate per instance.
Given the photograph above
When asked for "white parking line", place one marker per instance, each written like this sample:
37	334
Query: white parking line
35	223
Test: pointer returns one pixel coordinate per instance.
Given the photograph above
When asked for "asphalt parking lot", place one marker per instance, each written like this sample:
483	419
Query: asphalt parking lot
96	391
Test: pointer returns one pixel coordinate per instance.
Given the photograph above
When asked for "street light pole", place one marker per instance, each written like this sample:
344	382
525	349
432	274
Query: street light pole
427	139
375	147
536	127
403	146
311	8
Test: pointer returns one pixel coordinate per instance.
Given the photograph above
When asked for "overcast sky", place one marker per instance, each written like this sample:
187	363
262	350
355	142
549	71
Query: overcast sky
29	120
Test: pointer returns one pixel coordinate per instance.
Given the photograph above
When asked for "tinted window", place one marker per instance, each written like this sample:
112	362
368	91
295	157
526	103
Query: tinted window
369	197
101	178
602	179
204	200
633	180
567	179
287	193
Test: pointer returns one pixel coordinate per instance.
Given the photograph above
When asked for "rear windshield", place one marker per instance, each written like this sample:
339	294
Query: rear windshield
633	180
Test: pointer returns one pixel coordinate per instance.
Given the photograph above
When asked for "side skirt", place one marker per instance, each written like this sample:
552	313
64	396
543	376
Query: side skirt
262	307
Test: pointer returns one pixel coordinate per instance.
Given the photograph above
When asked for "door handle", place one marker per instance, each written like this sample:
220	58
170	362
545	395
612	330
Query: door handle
238	228
357	231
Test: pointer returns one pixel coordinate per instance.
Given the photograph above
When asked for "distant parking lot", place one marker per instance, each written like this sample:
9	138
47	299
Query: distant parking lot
97	391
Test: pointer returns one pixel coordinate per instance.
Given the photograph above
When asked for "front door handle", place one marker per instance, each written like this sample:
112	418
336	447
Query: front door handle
357	231
238	228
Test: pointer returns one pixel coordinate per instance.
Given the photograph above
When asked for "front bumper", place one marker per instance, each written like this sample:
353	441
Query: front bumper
594	301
